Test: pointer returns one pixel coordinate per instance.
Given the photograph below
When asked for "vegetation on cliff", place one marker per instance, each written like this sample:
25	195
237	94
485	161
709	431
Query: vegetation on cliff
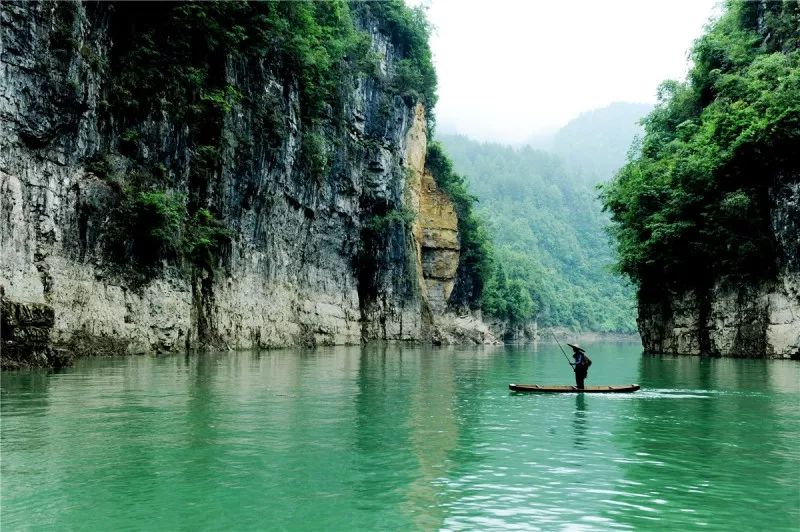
172	62
180	78
156	71
692	205
415	76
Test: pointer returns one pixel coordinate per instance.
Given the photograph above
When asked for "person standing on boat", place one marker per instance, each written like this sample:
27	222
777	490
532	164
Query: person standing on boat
581	364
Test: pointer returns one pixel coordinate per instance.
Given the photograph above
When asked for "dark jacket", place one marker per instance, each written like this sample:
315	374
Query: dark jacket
580	365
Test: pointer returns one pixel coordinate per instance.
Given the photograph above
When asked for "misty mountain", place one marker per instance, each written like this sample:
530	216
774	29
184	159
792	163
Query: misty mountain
595	144
547	227
540	204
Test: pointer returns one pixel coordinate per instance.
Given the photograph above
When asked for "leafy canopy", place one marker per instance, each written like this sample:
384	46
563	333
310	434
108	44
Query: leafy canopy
694	204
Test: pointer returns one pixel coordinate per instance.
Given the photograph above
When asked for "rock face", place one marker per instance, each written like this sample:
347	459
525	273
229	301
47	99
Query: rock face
440	245
737	318
26	337
324	260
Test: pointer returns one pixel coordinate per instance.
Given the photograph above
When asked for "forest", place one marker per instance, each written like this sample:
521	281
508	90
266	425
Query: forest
692	205
552	259
695	189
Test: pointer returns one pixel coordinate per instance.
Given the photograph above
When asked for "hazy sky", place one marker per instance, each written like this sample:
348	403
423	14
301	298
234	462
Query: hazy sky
511	68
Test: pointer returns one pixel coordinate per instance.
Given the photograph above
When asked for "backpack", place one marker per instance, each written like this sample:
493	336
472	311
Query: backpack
588	361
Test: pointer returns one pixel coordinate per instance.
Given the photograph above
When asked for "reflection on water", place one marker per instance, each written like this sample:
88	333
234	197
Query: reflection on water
387	437
579	422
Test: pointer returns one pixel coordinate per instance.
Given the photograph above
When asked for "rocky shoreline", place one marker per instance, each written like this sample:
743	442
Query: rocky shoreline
26	338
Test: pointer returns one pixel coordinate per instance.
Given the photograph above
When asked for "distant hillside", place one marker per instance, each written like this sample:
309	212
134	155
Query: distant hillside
547	227
594	145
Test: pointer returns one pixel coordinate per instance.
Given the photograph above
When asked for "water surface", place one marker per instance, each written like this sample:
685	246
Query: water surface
401	438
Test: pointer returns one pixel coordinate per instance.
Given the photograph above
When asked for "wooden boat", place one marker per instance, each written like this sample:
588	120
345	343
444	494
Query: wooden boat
620	388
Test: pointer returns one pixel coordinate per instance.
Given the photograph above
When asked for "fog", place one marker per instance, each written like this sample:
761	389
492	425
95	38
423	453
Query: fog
509	70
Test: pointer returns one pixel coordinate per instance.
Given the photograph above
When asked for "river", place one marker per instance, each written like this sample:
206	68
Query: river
386	438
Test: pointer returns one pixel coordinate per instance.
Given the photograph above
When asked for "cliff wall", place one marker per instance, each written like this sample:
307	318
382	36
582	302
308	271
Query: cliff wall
737	318
440	246
292	231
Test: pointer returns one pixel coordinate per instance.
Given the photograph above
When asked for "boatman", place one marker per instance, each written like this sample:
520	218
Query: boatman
581	364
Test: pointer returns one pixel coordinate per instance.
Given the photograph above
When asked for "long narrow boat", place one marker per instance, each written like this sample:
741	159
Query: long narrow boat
621	388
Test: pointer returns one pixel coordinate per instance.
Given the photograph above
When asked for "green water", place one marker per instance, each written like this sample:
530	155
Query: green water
401	438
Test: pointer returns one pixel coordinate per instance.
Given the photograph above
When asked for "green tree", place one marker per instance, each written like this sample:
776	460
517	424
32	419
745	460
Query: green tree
693	206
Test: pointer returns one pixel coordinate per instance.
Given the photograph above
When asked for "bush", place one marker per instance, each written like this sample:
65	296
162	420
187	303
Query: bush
151	227
409	29
378	223
203	239
155	220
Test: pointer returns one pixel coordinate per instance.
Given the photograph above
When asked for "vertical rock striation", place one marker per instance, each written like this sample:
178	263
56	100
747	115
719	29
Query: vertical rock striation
440	246
313	252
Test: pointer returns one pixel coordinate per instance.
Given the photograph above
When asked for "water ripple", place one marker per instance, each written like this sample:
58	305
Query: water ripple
398	439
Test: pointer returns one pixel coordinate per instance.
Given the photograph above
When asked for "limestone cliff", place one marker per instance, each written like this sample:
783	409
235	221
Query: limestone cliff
290	228
440	245
737	318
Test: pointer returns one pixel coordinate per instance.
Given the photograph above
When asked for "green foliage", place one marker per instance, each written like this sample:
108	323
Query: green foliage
316	43
129	142
493	299
130	135
169	57
204	236
152	221
223	99
475	263
508	300
313	154
595	144
694	205
172	63
546	225
378	223
314	39
409	29
95	61
314	46
156	227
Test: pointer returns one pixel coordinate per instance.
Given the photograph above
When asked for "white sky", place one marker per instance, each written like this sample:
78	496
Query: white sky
512	68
